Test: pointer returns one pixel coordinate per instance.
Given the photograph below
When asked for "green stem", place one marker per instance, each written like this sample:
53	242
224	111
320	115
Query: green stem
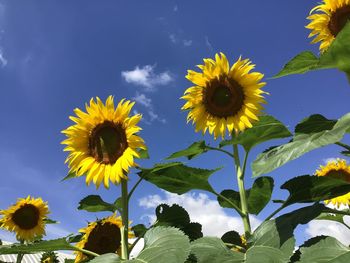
241	249
348	76
219	150
347	147
86	252
125	220
134	187
242	191
20	255
239	211
274	213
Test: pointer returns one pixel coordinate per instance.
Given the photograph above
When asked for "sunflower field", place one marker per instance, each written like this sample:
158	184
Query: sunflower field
224	101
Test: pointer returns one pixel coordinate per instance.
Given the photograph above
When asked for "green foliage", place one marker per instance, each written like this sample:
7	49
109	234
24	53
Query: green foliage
336	56
178	178
314	123
232	237
308	189
94	203
325	249
143	153
301	143
267	128
212	249
139	230
50	221
178	217
257	197
40	246
162	244
50	257
192	151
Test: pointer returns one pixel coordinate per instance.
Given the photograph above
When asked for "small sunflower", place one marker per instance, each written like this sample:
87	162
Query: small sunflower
329	20
102	236
26	218
49	257
223	97
102	143
340	170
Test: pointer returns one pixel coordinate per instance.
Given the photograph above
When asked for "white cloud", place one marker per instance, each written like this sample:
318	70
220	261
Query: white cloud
3	60
213	218
187	43
145	101
173	38
146	77
208	44
176	8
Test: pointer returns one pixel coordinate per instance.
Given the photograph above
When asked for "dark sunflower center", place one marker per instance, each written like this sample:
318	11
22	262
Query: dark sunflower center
104	239
223	97
339	19
107	142
26	217
340	174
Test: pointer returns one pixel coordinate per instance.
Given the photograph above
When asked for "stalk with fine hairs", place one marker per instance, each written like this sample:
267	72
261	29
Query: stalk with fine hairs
125	220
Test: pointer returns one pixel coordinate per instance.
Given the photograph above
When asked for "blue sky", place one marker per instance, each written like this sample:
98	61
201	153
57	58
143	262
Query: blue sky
56	55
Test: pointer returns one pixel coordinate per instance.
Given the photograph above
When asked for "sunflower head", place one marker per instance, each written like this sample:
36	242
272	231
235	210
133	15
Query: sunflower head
224	97
26	218
103	141
327	20
49	257
102	236
338	169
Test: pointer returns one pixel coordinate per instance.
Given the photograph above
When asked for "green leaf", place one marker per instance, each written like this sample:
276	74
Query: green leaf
164	244
50	221
277	234
260	194
108	258
314	123
178	178
74	238
40	246
308	189
192	151
143	153
66	260
267	128
69	176
212	249
301	144
94	203
139	230
257	197
327	249
178	217
255	254
346	153
302	63
338	54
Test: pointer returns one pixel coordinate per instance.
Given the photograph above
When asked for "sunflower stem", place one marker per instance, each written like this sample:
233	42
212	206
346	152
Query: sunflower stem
20	255
348	76
125	220
242	191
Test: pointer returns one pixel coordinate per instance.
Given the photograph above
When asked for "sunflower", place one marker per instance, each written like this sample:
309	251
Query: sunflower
329	20
102	142
340	170
223	97
49	257
102	236
26	218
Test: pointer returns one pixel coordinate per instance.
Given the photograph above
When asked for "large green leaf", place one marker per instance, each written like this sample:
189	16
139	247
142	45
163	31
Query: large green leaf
267	128
257	197
301	144
192	151
327	249
255	254
107	258
336	56
212	249
232	237
40	246
277	234
315	123
308	189
94	203
178	178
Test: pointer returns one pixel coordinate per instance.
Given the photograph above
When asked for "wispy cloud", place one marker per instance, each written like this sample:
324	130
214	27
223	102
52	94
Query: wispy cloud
3	60
145	101
175	8
175	39
187	43
208	44
146	77
213	218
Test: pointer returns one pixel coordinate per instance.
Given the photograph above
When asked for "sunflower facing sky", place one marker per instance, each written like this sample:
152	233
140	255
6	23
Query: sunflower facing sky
224	97
26	218
103	141
336	169
329	20
102	236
